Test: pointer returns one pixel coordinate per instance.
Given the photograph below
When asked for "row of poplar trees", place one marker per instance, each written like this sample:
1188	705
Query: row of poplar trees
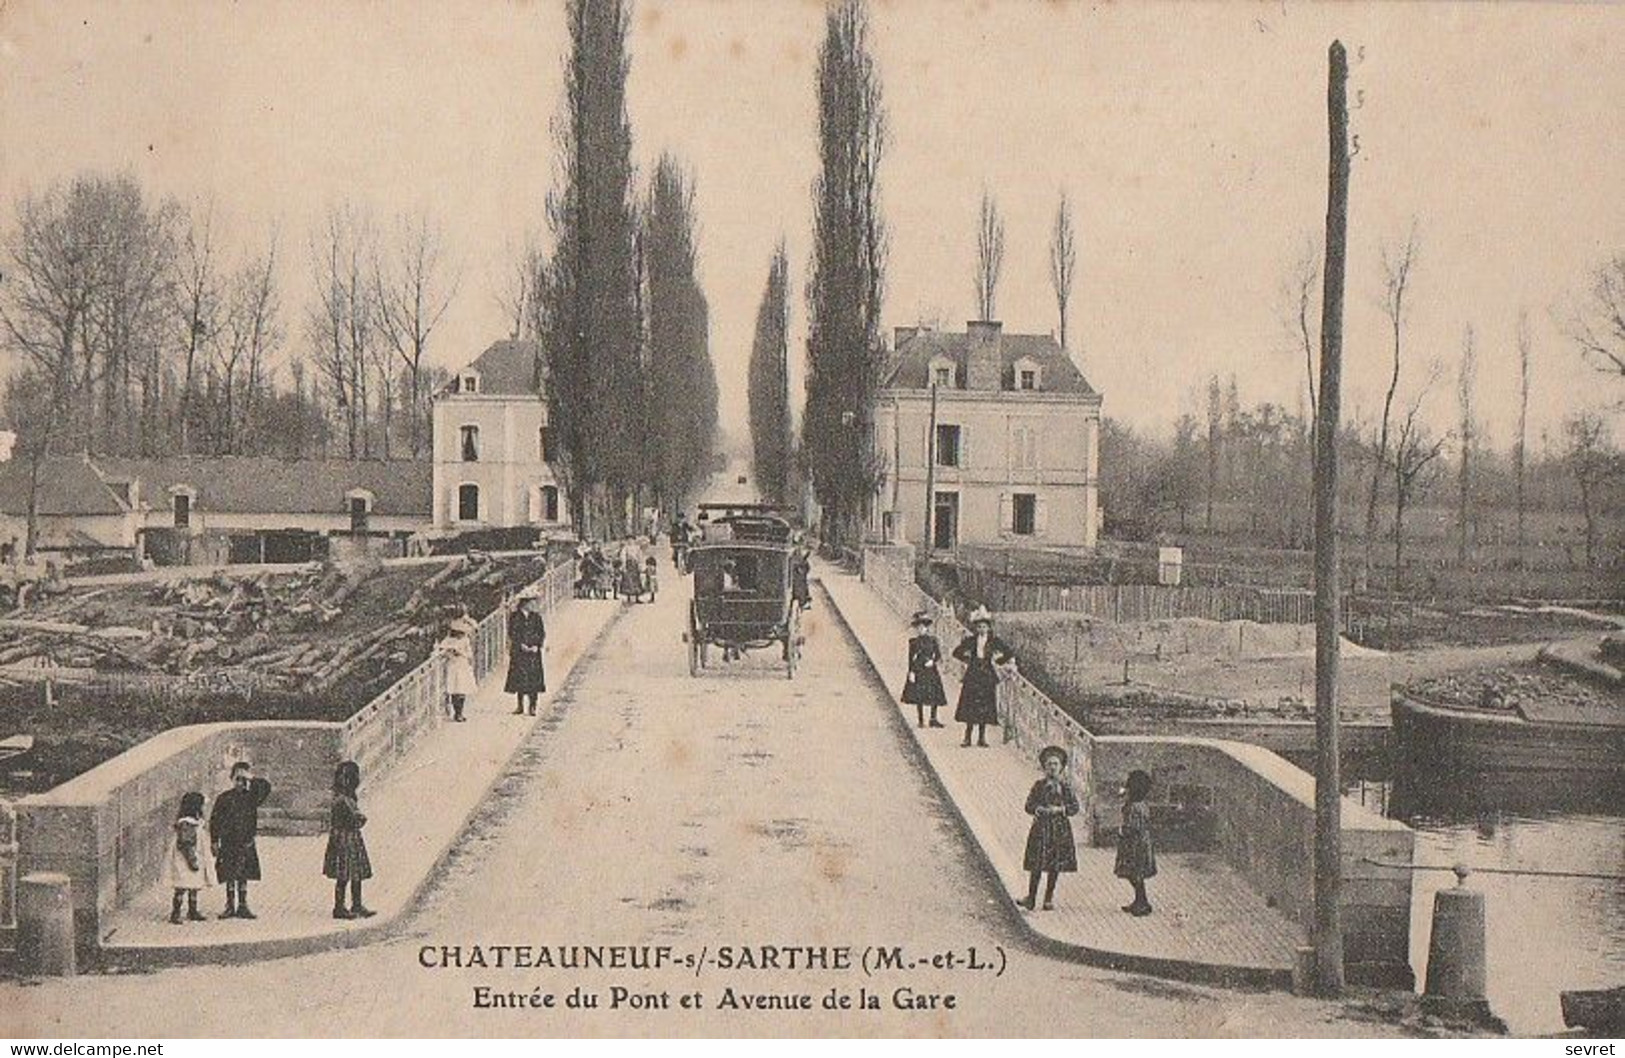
622	320
845	354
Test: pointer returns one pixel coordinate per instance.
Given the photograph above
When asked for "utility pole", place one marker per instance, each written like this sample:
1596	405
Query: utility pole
1327	932
930	478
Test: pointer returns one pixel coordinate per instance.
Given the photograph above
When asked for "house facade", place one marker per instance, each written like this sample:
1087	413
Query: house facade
493	447
1015	448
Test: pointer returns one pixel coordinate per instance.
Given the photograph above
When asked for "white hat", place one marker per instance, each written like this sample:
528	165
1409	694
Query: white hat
980	614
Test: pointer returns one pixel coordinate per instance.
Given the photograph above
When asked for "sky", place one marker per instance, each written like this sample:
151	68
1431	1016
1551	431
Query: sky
1190	138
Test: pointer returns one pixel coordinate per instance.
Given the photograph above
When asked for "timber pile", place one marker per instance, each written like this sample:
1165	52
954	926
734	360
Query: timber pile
308	631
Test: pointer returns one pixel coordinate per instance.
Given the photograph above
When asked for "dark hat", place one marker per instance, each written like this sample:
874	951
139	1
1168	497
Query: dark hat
1138	786
1052	751
920	617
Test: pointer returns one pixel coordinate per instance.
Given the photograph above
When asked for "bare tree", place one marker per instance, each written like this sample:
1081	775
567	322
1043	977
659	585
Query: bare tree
1063	261
1519	451
339	322
989	257
1300	295
1415	455
1466	380
1594	462
1599	327
56	272
1396	267
517	289
201	299
410	296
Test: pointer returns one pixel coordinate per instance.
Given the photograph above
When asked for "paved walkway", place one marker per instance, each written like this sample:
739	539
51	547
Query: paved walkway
415	814
1209	922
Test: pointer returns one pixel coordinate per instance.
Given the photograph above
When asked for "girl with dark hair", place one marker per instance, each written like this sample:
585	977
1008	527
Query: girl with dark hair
1136	860
1051	849
346	861
187	869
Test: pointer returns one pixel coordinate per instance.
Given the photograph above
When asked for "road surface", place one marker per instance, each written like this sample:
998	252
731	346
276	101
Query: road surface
726	813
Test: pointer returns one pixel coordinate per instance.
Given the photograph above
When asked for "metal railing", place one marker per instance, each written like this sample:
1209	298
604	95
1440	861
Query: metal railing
1028	716
388	725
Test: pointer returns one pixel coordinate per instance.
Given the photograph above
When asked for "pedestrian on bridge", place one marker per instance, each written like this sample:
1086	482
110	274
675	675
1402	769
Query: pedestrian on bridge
527	639
1051	849
346	860
1136	859
186	868
458	646
923	686
985	656
233	826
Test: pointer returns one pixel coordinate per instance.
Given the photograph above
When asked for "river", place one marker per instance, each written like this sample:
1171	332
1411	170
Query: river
1544	935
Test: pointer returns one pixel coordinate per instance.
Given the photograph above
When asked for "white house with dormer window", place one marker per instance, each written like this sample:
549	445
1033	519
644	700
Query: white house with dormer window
1016	444
493	447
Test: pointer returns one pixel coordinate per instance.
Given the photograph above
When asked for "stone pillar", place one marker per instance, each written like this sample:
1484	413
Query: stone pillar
45	925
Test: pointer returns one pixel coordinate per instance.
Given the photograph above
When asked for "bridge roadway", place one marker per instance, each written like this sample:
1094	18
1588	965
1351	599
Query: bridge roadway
717	815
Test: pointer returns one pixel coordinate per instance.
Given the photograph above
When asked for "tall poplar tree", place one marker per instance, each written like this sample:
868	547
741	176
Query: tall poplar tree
592	326
769	383
682	413
845	357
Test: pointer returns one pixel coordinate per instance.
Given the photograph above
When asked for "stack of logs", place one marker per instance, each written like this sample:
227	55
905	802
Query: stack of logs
275	630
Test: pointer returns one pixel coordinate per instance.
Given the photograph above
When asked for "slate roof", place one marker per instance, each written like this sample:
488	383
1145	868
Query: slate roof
506	369
265	485
912	358
67	487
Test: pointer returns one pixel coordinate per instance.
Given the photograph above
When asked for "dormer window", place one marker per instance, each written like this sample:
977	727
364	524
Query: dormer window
1028	376
470	383
944	373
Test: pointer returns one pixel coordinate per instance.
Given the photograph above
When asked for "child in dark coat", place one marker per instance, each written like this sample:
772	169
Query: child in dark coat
1051	849
233	827
923	687
346	860
1136	860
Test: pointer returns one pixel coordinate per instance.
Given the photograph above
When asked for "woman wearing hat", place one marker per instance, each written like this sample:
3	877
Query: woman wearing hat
983	654
924	684
1050	847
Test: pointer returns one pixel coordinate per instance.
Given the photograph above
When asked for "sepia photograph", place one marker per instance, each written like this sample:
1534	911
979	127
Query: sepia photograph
811	518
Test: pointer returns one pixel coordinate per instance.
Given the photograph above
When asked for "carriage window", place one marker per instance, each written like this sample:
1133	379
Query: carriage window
740	574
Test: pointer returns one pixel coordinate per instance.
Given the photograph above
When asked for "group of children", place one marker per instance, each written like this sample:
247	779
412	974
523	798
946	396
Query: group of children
627	576
1051	849
223	847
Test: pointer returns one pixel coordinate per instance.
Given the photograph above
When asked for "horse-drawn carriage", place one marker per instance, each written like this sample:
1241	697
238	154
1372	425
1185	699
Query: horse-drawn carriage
745	594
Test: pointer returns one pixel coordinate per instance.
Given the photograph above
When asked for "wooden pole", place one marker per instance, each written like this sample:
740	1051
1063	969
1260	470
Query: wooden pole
1327	933
930	479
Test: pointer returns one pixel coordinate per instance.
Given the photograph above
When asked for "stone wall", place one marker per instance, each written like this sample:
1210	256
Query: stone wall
1265	815
1263	805
109	829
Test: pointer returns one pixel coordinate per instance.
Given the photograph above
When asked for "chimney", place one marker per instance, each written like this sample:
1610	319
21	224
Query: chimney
984	365
903	335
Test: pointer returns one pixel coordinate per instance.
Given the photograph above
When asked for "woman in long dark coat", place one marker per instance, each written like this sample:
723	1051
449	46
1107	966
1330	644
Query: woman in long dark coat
1051	849
527	639
923	686
983	654
346	860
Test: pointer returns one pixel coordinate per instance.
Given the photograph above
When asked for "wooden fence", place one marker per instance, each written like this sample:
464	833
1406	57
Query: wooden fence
1143	602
